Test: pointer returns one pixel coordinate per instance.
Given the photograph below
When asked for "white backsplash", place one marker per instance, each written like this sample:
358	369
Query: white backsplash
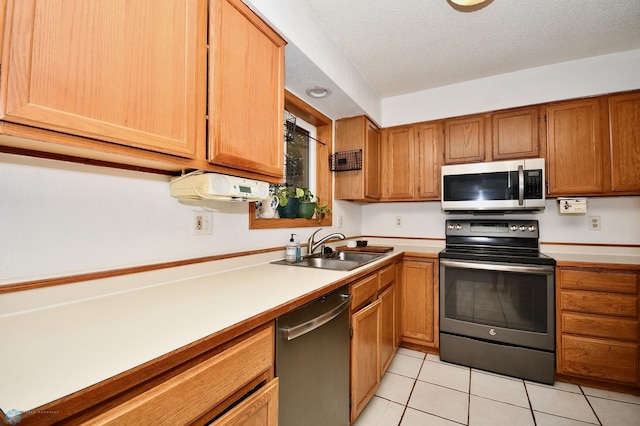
60	218
619	217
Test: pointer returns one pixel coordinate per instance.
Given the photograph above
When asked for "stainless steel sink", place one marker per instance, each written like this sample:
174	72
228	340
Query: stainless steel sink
336	261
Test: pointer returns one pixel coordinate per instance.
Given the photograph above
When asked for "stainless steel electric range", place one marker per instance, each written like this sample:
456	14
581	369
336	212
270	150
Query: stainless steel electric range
497	304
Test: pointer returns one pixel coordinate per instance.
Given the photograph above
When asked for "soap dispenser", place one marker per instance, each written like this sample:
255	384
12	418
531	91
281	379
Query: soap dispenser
291	251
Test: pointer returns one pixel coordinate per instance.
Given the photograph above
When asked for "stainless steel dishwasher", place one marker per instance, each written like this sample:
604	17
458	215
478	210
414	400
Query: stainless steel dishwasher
312	362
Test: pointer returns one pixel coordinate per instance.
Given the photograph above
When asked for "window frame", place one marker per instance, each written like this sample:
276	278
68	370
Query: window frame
324	178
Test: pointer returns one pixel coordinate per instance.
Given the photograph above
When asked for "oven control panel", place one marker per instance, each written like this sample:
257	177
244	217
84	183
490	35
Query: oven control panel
492	228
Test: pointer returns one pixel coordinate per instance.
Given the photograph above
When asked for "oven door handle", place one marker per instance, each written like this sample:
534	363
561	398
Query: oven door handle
520	185
537	269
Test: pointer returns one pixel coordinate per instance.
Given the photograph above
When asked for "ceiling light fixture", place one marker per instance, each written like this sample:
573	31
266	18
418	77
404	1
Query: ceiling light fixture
318	92
467	2
469	5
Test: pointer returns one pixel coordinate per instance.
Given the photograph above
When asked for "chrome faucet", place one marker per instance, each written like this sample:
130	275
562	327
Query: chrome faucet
312	245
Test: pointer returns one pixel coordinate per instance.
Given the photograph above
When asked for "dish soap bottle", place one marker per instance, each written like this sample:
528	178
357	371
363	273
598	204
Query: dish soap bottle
298	250
291	251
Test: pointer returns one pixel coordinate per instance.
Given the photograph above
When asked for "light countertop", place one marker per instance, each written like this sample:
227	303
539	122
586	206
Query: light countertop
59	340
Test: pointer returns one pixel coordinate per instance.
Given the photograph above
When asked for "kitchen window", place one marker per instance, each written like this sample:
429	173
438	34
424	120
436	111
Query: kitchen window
319	166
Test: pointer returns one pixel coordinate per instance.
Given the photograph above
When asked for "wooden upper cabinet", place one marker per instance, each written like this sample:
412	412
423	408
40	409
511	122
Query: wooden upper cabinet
428	155
355	134
515	134
398	161
411	162
129	73
464	139
372	187
246	91
624	119
575	148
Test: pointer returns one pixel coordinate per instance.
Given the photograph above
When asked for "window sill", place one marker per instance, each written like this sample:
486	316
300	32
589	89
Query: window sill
255	223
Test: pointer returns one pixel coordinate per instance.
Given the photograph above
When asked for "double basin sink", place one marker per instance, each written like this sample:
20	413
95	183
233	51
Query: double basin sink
336	261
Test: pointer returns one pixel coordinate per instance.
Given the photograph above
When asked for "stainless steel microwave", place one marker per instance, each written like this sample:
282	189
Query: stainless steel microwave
498	186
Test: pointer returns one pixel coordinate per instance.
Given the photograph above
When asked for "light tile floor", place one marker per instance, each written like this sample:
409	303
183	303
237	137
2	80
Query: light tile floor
423	391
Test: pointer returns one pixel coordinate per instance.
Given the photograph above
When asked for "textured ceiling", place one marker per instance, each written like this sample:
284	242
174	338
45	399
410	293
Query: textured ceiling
405	46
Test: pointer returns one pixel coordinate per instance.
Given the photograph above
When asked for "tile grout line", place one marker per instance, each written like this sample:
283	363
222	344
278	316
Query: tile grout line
526	391
590	406
415	381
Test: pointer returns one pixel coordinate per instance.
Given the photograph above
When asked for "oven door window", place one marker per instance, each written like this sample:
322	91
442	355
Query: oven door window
516	301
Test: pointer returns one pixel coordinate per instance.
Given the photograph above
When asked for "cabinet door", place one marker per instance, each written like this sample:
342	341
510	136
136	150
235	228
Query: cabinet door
130	73
372	186
428	155
624	120
419	303
365	356
246	91
353	134
515	134
464	139
398	160
260	409
575	147
387	327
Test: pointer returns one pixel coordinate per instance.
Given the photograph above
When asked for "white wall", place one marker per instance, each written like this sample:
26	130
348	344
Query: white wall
593	76
59	218
619	216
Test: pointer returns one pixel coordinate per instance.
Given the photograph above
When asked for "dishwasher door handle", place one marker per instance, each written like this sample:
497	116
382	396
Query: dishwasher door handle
291	333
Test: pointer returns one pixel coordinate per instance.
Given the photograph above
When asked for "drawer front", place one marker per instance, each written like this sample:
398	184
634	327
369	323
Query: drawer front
194	392
599	359
261	408
614	282
598	326
364	291
599	303
387	276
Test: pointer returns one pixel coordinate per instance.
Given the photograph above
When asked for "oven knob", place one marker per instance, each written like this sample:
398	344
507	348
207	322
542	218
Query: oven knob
458	227
523	228
450	226
532	228
514	228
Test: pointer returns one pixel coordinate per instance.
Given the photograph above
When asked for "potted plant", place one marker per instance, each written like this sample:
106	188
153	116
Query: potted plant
306	203
321	210
287	201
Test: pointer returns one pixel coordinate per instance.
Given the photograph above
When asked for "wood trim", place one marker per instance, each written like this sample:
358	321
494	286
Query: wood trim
81	160
68	279
592	244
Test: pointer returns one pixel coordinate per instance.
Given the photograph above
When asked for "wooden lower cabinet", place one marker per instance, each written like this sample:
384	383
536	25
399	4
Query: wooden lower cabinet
419	304
598	323
387	301
365	356
198	394
259	409
373	334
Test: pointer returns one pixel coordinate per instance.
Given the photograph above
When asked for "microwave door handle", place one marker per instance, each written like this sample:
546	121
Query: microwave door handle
520	185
